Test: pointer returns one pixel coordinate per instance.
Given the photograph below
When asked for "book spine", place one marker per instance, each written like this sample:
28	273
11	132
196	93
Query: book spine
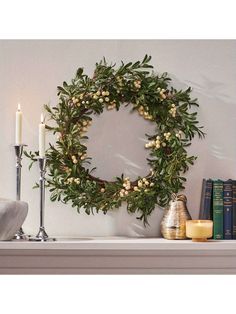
202	201
218	209
206	200
228	204
234	210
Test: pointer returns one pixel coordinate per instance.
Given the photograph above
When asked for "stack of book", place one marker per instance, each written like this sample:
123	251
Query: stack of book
218	203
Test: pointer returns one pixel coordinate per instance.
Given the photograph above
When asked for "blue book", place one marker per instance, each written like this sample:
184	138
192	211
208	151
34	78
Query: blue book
206	211
228	210
234	209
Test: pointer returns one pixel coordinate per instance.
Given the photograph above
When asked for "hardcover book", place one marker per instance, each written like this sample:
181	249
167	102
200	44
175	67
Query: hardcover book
218	207
228	205
234	210
206	200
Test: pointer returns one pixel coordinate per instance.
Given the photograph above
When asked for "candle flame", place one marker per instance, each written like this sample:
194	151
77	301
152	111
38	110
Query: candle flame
42	118
18	107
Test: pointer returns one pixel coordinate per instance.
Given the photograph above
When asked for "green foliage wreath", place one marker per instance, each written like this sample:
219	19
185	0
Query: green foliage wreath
151	96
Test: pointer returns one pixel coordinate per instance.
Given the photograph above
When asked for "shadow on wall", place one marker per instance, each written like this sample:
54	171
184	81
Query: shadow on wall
217	152
133	168
128	225
216	125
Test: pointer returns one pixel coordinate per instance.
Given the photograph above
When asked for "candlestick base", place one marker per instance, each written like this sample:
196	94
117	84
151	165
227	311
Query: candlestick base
41	236
199	239
20	235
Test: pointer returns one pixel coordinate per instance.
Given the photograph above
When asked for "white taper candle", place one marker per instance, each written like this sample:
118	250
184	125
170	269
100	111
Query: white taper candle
42	137
18	126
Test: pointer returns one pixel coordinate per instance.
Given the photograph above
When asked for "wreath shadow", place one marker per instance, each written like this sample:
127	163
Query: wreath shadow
214	103
128	225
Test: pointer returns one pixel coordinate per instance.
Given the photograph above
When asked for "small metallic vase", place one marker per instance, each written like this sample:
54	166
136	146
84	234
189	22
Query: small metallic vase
173	225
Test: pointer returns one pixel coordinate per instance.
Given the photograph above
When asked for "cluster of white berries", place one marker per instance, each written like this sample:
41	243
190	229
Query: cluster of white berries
74	159
143	183
162	92
123	192
167	136
127	183
119	80
84	99
84	126
82	156
75	101
101	96
179	134
85	102
172	110
73	180
112	105
137	84
79	100
152	172
144	113
127	187
155	143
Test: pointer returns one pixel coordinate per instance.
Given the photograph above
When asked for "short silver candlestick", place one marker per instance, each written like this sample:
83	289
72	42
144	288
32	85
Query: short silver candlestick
42	234
20	235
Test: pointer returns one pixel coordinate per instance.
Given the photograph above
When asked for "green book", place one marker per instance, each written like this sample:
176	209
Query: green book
218	209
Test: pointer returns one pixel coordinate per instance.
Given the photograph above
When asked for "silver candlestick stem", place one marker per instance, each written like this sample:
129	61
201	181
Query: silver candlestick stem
42	234
20	235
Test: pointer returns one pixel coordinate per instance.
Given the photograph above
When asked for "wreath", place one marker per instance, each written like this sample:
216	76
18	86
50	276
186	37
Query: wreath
148	94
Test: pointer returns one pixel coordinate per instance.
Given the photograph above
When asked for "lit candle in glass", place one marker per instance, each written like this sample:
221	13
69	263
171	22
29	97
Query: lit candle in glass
18	126
42	137
199	230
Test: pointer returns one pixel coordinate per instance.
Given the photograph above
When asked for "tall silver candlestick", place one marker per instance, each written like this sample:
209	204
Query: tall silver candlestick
20	235
42	234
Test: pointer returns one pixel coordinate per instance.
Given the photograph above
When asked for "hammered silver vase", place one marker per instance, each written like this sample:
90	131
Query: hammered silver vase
173	225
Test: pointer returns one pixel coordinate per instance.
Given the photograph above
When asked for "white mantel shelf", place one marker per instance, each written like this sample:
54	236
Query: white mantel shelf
118	255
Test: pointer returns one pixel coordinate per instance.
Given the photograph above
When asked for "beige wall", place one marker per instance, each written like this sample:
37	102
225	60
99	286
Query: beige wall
29	74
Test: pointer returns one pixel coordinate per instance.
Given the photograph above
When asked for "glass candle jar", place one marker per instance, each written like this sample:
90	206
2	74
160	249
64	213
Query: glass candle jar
199	230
